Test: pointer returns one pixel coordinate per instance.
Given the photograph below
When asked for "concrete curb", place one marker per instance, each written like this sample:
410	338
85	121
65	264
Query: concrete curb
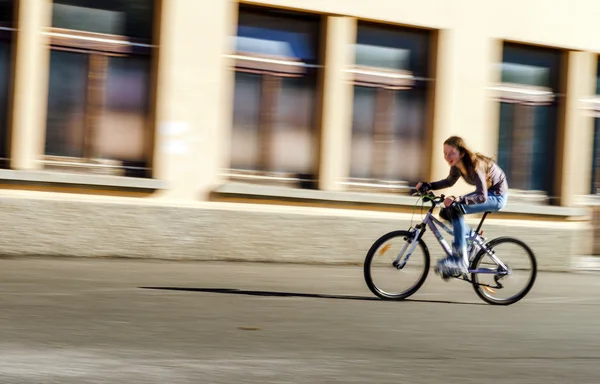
587	264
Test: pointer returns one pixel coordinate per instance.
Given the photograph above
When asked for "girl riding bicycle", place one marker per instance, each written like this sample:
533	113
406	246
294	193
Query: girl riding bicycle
491	194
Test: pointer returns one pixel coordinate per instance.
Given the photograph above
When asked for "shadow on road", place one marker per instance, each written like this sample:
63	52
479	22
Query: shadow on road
234	291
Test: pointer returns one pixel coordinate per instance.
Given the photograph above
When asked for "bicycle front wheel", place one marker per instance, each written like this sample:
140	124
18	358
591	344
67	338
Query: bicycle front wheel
496	284
383	278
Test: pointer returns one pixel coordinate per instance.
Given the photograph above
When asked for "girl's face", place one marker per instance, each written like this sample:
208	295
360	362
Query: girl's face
452	155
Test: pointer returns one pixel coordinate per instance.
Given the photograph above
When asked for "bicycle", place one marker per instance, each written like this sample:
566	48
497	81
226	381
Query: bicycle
487	259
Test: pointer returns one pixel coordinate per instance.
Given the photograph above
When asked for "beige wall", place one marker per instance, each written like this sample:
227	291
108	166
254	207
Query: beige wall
195	80
563	23
30	83
193	123
194	96
196	88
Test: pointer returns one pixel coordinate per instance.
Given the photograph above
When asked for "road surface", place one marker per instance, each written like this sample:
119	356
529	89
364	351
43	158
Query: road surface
138	321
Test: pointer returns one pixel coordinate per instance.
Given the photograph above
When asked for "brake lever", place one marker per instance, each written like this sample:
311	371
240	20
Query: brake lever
441	198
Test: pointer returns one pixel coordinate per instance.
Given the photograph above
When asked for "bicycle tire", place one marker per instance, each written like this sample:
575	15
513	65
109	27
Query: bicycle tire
369	259
480	290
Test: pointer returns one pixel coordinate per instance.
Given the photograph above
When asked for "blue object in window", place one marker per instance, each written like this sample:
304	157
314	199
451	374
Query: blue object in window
526	74
393	48
273	42
532	65
277	35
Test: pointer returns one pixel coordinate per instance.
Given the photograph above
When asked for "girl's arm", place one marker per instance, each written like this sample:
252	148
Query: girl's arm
449	181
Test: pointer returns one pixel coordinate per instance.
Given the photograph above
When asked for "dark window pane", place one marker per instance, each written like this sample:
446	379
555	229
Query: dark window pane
66	104
598	78
362	132
507	118
543	159
7	9
527	136
595	185
526	144
526	75
5	57
132	18
289	140
521	147
389	125
121	132
246	114
393	48
273	33
292	137
274	115
531	65
388	134
596	158
405	157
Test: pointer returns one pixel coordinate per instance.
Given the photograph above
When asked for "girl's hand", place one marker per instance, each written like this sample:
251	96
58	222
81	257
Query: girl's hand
448	201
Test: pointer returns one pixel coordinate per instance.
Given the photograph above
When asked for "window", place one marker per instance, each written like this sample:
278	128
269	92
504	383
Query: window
274	130
6	38
391	77
594	106
99	87
529	99
596	159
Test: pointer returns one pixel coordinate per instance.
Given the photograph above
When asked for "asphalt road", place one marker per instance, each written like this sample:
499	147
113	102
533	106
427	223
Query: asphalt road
127	321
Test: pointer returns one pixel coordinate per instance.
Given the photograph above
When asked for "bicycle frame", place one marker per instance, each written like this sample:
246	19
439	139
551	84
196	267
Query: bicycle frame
433	223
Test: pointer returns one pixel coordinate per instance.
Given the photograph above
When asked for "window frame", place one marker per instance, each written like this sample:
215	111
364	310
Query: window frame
526	97
388	81
8	33
273	69
591	106
99	47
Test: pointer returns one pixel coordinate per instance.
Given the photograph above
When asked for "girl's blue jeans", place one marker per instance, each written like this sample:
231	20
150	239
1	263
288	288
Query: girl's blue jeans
494	203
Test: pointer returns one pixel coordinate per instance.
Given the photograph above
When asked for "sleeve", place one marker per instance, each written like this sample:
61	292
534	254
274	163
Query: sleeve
480	194
449	181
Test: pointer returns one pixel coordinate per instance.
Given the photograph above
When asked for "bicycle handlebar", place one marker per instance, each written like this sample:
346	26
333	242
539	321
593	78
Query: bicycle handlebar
430	196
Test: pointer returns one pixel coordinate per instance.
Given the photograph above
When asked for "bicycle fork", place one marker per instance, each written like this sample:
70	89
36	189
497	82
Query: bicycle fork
410	245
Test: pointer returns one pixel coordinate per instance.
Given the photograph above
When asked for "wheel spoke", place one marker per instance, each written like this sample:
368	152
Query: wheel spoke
382	276
506	286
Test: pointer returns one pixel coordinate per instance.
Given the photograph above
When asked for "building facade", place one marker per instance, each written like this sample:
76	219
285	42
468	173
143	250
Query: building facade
288	130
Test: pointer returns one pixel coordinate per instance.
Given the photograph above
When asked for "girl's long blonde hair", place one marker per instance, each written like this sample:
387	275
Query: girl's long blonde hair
471	160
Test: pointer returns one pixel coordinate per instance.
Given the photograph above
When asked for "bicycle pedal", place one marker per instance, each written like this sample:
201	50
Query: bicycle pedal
444	276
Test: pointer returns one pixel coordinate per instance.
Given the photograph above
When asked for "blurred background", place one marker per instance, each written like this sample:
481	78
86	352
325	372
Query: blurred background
335	104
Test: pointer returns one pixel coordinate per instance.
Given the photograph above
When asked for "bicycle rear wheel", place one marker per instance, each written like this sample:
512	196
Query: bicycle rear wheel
384	279
504	287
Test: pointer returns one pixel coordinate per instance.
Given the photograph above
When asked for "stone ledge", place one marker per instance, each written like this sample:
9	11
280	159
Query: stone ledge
588	200
264	191
105	229
587	263
74	179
